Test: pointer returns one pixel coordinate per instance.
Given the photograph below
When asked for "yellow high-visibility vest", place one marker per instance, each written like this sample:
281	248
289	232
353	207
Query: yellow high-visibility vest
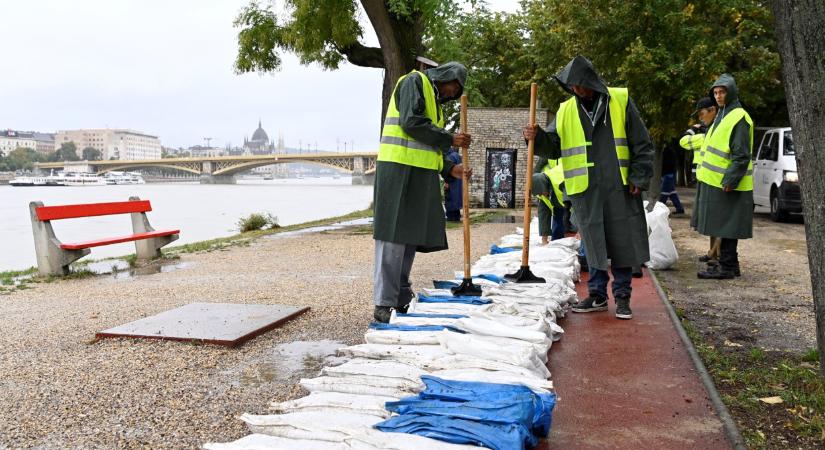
716	152
555	173
398	146
574	144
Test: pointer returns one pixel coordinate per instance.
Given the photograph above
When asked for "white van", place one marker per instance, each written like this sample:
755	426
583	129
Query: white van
775	178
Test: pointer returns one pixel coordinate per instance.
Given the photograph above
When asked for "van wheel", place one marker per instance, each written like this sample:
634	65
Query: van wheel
777	214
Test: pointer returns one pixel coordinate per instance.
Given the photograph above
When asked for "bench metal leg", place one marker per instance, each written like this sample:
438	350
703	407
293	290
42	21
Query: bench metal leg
51	259
147	249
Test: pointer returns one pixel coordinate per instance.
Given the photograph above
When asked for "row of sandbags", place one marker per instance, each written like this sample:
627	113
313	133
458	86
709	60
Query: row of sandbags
497	343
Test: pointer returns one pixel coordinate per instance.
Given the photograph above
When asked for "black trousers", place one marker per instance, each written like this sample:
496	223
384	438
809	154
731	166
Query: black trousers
728	257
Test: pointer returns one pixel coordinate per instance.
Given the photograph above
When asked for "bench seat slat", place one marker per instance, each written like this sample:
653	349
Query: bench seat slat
91	209
118	239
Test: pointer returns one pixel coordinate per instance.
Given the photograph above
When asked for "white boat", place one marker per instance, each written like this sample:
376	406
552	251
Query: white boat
115	177
80	179
33	181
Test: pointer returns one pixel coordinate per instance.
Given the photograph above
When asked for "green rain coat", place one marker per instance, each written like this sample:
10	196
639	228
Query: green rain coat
728	214
407	200
611	221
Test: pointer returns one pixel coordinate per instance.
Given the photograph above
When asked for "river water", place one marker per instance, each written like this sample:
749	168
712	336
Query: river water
200	211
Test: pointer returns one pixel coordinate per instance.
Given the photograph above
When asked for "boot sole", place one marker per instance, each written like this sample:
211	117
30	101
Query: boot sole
624	316
597	309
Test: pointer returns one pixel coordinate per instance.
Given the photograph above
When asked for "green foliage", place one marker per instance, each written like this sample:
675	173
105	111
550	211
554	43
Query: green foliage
22	158
66	152
91	154
667	52
257	221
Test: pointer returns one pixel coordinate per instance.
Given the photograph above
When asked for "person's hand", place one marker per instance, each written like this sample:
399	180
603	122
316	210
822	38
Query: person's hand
727	189
544	240
634	190
462	140
458	171
529	132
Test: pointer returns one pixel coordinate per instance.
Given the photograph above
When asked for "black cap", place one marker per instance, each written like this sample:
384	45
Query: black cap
704	102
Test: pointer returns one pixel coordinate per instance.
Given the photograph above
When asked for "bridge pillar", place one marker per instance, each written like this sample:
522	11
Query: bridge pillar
358	176
208	178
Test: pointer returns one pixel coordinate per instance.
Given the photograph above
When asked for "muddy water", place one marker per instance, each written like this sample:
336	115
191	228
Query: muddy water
287	361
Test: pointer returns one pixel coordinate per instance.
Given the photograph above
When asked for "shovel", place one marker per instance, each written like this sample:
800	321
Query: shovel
466	288
524	275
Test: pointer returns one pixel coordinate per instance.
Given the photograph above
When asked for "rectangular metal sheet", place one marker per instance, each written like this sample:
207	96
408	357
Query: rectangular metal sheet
216	323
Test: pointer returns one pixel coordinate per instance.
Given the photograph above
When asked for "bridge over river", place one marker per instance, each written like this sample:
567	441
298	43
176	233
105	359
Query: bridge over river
222	169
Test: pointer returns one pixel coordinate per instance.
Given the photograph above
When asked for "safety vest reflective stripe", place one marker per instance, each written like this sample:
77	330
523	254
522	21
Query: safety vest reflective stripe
399	147
718	169
407	143
574	145
717	152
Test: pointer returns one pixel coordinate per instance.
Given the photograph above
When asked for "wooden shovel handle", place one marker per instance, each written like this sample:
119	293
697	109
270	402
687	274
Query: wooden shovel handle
465	190
528	182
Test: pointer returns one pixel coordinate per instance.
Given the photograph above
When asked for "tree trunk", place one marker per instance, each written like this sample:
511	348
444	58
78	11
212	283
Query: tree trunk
656	180
799	28
398	58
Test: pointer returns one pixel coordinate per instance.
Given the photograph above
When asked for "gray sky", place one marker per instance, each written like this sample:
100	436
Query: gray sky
165	67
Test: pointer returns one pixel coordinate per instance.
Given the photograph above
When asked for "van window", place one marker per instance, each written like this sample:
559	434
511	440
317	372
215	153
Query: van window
773	148
788	144
764	148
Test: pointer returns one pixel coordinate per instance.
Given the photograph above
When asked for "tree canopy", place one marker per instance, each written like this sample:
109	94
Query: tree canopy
91	154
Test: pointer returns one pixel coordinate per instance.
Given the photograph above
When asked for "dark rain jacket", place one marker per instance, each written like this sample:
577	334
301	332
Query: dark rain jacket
611	221
406	199
728	214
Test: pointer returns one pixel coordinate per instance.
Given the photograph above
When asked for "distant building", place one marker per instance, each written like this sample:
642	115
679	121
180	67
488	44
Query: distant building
45	142
202	151
11	140
113	143
260	144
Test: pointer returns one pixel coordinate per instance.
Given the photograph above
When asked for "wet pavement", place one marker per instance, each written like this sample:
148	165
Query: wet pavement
628	383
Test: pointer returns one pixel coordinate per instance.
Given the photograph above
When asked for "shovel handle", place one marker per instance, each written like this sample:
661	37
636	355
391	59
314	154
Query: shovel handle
465	190
528	182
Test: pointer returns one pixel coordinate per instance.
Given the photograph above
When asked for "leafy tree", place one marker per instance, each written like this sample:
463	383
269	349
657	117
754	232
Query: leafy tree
66	152
666	52
92	154
327	32
22	158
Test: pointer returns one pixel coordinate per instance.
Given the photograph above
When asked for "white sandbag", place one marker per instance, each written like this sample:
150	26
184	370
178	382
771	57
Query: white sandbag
487	327
410	354
375	439
259	441
535	322
532	293
403	320
663	254
401	337
363	385
443	308
511	351
312	425
376	368
537	385
457	361
329	401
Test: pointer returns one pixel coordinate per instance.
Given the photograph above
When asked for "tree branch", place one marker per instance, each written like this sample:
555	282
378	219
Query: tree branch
363	56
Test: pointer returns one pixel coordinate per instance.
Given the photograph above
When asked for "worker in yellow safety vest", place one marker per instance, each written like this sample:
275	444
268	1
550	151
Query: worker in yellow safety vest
724	203
547	187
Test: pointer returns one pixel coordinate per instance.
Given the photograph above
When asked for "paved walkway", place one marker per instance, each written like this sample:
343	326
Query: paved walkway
629	384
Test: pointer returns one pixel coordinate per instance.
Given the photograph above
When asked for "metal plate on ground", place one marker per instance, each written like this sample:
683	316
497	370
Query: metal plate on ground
215	323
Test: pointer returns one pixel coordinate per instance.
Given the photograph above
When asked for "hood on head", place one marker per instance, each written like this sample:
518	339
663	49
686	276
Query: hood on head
726	81
448	72
580	71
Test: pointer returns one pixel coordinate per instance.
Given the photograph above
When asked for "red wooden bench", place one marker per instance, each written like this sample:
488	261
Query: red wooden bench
54	257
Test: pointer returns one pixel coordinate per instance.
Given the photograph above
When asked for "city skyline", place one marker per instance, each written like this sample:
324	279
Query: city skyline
166	69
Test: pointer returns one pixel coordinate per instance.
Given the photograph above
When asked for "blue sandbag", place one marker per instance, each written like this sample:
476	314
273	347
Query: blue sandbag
497	436
402	327
433	316
448	284
444	284
496	250
465	391
466	299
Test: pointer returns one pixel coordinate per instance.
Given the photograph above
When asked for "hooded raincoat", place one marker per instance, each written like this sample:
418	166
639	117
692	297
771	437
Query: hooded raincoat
728	214
407	200
611	221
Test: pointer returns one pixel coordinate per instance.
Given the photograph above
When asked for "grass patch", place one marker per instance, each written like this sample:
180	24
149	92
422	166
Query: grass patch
745	377
257	221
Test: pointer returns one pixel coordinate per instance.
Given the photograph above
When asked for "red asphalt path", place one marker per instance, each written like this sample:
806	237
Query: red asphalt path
628	383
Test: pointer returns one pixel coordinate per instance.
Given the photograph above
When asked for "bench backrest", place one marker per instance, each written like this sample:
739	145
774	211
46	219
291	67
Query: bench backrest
91	209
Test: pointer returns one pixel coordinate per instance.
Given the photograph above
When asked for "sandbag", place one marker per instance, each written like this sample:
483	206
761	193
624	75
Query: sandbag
312	425
333	401
663	254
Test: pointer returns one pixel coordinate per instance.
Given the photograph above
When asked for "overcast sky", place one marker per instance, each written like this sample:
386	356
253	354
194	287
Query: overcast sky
165	67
